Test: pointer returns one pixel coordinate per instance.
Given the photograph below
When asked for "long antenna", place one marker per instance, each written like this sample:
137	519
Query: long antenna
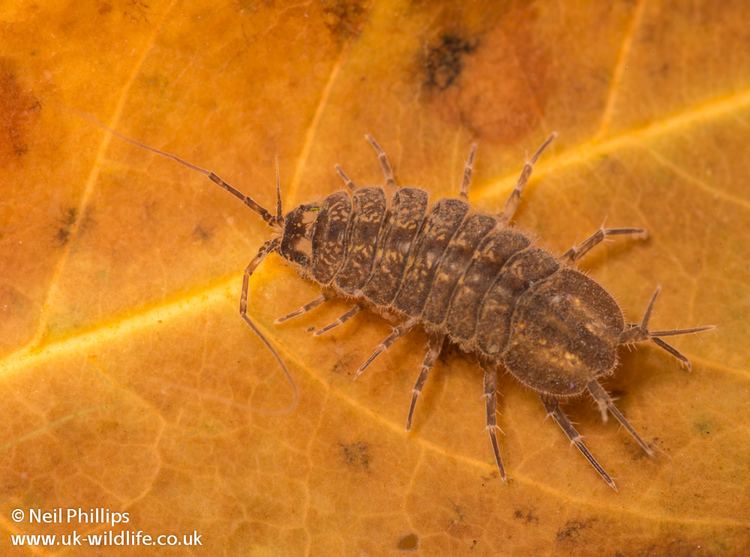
269	247
249	201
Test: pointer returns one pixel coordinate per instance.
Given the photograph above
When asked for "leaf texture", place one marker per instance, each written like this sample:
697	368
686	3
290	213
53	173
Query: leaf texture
128	380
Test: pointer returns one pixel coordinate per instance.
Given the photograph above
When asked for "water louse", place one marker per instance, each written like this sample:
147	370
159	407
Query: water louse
467	278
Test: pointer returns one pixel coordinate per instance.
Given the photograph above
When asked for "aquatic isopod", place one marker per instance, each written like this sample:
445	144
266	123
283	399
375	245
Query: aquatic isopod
467	278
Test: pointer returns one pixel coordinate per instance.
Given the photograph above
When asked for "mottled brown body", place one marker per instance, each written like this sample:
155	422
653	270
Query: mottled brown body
467	278
470	277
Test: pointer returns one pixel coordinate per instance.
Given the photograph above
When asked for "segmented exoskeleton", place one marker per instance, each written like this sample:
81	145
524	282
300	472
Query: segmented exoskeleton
467	278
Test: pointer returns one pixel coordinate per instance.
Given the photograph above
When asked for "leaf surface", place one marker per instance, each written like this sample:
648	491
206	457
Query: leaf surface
129	382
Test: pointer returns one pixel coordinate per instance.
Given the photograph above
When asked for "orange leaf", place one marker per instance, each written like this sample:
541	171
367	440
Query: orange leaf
129	382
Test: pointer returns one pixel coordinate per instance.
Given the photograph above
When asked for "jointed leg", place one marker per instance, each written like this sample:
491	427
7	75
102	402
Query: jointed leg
606	404
637	332
490	395
345	178
468	167
576	252
302	310
554	410
383	158
268	247
397	332
434	346
512	204
340	321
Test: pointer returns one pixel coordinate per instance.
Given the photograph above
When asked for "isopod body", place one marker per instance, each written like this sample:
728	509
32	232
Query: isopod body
461	274
470	279
467	278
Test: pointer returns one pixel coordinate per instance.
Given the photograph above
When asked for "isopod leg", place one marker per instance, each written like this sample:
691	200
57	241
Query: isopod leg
606	404
468	169
490	395
345	178
515	197
434	346
396	333
576	252
385	164
302	310
637	332
268	247
340	321
554	410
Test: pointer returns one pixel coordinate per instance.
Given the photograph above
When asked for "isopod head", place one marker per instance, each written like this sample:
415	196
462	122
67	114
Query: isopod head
296	240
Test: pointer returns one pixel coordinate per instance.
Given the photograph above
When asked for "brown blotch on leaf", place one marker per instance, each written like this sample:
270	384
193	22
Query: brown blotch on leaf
410	542
201	234
345	19
505	83
526	516
19	109
704	428
444	60
572	530
356	455
67	221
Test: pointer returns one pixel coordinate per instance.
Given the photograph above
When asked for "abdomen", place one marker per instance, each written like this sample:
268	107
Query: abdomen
564	332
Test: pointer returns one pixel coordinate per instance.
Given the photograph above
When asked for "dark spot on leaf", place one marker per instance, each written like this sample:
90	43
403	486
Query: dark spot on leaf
201	234
459	527
345	19
572	530
105	8
66	224
444	61
356	455
526	516
704	428
410	542
492	476
505	82
345	364
19	109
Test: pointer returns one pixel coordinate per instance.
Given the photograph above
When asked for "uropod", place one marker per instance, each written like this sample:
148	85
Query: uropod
467	278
